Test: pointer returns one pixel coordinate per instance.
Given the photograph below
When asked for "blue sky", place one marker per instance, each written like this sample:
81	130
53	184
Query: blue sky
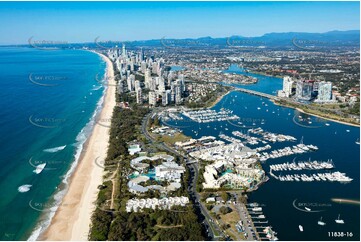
121	21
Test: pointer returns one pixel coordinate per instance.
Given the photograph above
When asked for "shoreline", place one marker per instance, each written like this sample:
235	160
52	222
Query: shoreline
315	115
330	119
298	109
73	217
220	98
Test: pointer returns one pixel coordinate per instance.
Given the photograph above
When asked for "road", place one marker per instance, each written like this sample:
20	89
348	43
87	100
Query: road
211	227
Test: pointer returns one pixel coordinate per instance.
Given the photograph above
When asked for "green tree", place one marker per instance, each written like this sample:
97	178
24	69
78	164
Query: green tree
224	210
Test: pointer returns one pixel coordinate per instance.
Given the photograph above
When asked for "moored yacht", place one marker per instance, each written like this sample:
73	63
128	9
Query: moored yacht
338	220
300	228
320	222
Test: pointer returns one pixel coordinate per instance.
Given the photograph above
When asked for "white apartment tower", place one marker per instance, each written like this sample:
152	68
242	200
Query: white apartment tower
324	91
287	86
131	82
152	98
139	96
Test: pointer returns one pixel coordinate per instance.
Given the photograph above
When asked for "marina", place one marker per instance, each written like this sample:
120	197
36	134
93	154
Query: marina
318	177
291	151
303	165
210	115
272	137
296	149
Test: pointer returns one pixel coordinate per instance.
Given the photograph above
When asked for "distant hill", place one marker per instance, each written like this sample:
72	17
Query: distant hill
301	40
289	39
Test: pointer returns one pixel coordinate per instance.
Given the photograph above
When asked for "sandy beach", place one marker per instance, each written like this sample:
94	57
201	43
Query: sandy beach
72	219
220	98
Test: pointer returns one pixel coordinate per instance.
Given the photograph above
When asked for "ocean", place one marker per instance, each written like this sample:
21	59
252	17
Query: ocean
49	100
282	201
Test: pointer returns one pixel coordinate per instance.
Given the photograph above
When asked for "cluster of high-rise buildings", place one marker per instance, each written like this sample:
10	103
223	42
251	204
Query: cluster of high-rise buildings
306	90
145	74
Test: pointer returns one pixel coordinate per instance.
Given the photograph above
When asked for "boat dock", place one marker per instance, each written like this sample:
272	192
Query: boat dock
210	115
303	165
260	224
230	139
318	177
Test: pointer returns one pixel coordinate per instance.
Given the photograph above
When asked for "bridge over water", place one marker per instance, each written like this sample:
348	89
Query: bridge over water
261	94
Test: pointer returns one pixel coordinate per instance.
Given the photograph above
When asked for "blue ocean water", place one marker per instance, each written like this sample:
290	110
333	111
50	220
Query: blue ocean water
48	100
335	141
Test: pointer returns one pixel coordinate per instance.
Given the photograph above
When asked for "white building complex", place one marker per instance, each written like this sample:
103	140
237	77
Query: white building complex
234	165
167	171
154	203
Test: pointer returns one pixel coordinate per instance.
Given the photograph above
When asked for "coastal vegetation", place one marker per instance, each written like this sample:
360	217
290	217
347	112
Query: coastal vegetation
110	221
175	225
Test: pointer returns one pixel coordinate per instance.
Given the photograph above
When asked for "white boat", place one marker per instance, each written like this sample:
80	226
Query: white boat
39	168
320	222
357	141
327	124
338	220
257	209
300	227
308	209
347	130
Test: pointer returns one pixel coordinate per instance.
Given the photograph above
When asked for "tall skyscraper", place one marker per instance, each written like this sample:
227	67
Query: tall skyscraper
143	66
182	84
147	78
165	98
155	68
178	94
152	98
161	84
141	54
137	85
124	52
139	96
324	91
152	84
131	82
287	86
304	90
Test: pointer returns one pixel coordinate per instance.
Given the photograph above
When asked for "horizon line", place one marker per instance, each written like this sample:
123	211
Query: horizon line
170	38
